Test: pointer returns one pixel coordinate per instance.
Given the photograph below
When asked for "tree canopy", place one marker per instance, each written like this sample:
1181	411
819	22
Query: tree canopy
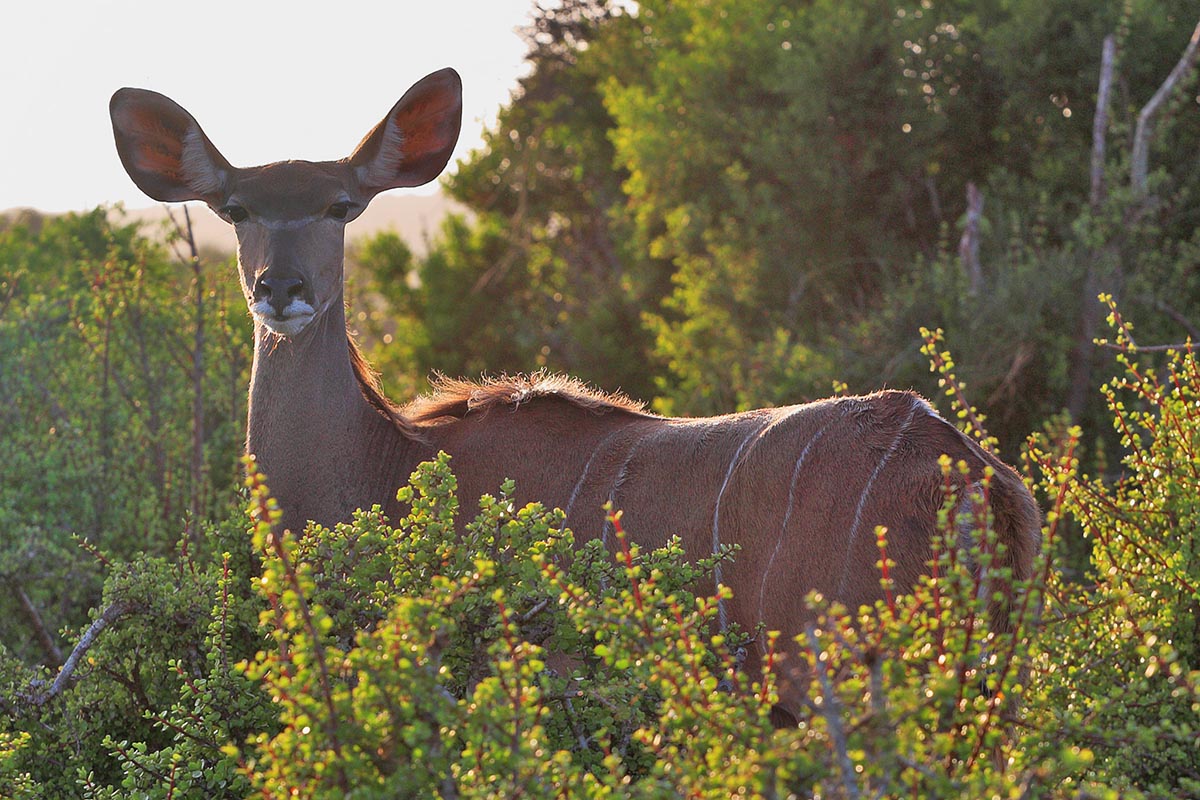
727	204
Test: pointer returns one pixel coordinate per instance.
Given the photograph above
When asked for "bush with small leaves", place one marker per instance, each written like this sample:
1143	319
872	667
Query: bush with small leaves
101	362
1119	667
14	782
149	695
410	660
420	657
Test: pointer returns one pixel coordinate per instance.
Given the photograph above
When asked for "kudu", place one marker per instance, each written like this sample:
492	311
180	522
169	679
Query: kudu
800	490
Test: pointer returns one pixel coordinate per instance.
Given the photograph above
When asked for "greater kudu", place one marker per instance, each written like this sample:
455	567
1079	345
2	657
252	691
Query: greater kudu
799	489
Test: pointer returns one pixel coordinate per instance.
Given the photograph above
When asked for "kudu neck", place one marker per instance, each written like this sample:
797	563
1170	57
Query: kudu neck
304	400
304	378
321	444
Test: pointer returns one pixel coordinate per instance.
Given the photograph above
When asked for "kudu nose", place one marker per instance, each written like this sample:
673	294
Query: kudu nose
279	292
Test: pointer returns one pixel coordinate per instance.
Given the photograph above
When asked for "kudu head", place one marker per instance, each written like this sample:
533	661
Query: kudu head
289	216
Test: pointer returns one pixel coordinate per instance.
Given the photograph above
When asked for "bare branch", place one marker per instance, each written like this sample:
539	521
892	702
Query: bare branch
968	246
1178	317
879	711
60	415
50	647
1143	133
533	612
1108	55
197	384
576	728
935	201
1103	268
830	708
107	617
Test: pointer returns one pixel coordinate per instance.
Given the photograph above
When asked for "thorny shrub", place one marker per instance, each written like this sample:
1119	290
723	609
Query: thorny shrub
403	659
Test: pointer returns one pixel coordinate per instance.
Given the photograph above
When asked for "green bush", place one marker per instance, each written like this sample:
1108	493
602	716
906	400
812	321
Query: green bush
403	659
154	698
411	661
98	373
1120	651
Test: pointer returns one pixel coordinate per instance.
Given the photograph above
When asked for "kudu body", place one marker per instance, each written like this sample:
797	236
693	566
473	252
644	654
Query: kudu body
800	489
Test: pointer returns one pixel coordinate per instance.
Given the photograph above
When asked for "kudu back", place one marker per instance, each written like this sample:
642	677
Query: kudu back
800	490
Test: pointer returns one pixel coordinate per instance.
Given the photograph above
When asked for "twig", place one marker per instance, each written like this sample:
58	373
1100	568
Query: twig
186	234
576	728
1185	347
1141	138
49	647
107	617
533	612
1177	316
449	787
830	709
1079	379
1100	124
879	712
968	246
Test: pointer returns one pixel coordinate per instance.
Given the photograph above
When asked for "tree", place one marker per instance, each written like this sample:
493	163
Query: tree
539	275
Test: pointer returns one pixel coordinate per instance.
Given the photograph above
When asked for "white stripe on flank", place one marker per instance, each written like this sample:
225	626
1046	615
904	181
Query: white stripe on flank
755	436
787	516
619	480
583	477
866	492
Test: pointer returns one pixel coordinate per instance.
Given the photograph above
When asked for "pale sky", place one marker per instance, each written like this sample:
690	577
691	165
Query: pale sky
266	79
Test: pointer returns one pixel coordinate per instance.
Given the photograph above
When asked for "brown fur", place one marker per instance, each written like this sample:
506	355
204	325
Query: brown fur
804	487
453	399
800	490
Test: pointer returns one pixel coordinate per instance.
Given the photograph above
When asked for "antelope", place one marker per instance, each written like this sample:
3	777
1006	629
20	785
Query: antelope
799	490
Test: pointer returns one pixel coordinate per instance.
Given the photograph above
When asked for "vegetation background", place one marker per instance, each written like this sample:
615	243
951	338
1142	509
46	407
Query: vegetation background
712	205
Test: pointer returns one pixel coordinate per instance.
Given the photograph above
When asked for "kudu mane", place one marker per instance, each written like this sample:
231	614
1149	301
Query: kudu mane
368	382
454	398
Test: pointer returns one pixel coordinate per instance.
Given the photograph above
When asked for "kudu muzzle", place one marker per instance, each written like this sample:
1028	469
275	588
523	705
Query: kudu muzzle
280	288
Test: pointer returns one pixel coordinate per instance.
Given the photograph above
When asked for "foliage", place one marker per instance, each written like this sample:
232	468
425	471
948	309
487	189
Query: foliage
1120	672
538	274
97	369
727	204
409	661
802	166
742	126
413	659
13	782
154	698
711	204
1012	339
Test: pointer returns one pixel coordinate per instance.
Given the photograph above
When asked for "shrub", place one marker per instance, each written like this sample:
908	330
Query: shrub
406	659
410	661
149	695
101	361
1117	668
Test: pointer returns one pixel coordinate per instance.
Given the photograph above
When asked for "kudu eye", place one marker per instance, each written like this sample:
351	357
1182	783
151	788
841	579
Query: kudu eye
338	210
234	214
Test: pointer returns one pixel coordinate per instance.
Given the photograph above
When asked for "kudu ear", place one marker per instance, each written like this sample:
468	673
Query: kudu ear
413	143
164	150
